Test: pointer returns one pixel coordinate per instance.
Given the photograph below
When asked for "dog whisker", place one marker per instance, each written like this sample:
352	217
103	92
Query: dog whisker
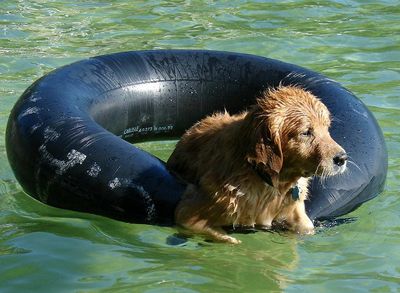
322	176
352	162
336	119
355	165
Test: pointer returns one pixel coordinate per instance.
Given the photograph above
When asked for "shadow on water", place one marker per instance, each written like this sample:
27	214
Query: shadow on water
330	223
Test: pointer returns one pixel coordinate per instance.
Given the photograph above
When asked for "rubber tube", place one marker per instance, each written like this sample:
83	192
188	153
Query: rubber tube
68	136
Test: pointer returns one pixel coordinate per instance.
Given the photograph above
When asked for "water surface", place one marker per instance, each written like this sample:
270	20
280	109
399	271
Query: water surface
44	249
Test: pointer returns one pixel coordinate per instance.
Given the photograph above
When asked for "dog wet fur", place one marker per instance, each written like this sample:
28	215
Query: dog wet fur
242	169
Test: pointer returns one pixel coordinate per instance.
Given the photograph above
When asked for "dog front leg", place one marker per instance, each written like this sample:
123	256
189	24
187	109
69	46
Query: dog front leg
298	221
195	213
212	233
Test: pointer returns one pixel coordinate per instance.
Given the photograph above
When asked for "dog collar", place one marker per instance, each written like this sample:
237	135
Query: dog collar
295	191
264	177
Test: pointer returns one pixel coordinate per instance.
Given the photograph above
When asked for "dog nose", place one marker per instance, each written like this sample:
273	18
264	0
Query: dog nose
340	159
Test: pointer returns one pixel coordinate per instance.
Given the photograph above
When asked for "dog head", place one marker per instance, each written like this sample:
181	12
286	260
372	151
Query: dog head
289	137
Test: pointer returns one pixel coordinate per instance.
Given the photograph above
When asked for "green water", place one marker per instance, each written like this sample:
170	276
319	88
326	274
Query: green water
43	249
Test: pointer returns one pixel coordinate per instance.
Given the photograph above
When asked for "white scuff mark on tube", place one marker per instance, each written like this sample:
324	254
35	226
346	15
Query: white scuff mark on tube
74	157
114	183
94	170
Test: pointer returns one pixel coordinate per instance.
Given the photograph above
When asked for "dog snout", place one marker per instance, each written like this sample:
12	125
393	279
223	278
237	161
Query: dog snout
340	159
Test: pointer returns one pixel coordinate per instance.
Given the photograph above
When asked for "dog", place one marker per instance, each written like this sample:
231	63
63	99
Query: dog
252	169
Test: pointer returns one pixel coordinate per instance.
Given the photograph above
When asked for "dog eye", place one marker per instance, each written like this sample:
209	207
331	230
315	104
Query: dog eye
307	133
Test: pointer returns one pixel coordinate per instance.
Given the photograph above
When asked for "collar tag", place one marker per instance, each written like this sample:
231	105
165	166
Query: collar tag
295	193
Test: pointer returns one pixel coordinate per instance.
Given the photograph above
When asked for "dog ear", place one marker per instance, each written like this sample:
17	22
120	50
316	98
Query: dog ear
265	153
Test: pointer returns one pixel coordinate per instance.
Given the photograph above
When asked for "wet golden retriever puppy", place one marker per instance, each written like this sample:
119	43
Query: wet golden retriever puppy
252	169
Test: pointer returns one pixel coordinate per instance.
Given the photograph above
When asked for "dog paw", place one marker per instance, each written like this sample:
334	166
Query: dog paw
305	229
229	239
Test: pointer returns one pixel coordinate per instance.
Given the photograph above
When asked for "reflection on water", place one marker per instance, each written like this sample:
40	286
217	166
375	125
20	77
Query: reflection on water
354	42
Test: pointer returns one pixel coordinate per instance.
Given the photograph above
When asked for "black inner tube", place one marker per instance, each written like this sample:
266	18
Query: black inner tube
62	139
